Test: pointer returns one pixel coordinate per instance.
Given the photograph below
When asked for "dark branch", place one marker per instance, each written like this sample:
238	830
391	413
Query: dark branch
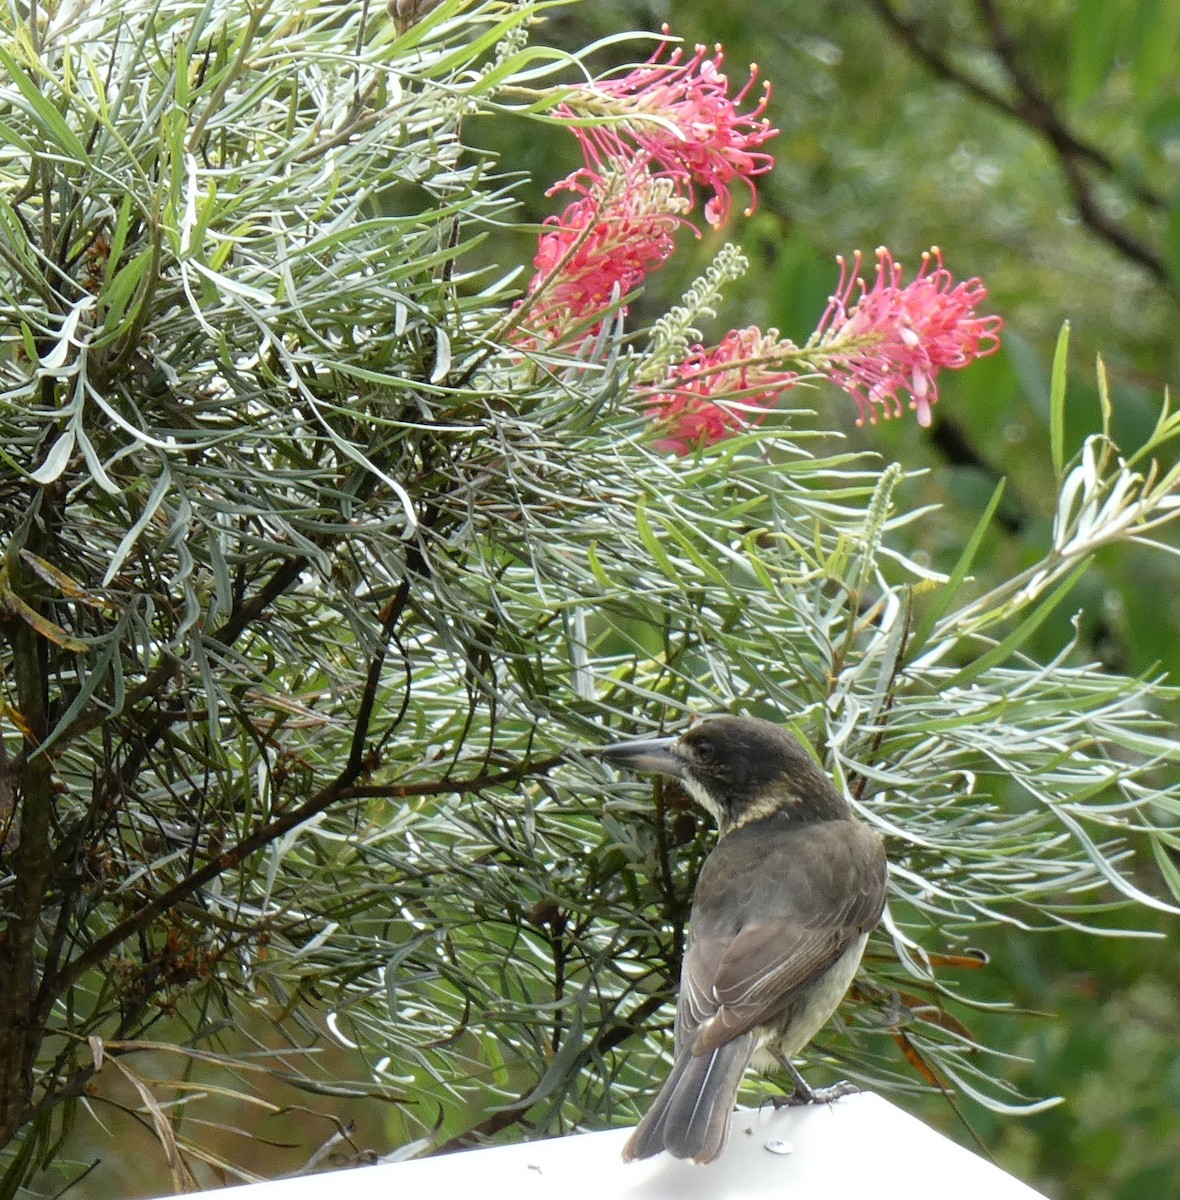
952	441
389	619
29	826
1037	110
454	787
606	1039
1033	108
340	788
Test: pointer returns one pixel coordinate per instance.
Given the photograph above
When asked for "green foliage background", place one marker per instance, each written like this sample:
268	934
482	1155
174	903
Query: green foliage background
259	647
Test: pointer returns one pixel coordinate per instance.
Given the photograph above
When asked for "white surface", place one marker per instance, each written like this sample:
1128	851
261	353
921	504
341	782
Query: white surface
859	1146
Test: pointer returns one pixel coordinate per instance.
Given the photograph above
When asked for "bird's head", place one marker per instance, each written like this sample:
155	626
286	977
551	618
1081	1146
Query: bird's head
740	769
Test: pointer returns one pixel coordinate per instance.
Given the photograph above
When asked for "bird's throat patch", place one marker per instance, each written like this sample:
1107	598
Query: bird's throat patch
704	798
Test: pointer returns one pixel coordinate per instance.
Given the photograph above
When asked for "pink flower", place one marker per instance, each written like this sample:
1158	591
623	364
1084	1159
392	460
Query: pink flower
680	113
891	339
715	393
601	247
873	342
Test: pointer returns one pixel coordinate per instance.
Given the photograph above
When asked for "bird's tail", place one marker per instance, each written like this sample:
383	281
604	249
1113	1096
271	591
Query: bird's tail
690	1116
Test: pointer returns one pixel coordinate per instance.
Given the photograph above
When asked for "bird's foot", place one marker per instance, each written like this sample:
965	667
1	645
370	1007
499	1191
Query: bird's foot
805	1094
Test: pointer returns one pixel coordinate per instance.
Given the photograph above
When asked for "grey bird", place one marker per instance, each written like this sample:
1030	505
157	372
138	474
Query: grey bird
782	909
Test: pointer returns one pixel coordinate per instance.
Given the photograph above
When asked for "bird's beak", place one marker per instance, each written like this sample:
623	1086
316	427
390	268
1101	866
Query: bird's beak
653	754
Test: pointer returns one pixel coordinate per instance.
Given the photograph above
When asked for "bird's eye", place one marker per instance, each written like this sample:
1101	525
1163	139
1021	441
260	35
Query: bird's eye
704	750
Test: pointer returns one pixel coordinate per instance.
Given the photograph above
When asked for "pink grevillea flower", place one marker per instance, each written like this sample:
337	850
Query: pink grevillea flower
601	247
716	393
681	114
890	338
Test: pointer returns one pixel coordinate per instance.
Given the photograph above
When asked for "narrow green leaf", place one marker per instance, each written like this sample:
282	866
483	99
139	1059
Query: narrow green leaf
93	461
132	535
106	662
219	569
14	234
122	287
55	577
564	1062
1104	397
652	544
1057	401
56	460
10	137
1005	649
707	567
118	240
946	593
1167	867
1105	865
596	566
180	70
12	603
51	123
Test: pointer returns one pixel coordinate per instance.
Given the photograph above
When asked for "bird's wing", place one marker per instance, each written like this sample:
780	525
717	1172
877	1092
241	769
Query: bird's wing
732	984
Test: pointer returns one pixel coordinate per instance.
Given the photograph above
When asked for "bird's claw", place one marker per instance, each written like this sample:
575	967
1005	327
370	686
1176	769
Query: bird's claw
808	1095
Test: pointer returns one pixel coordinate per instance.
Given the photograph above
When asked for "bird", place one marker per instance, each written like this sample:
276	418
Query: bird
782	909
407	13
